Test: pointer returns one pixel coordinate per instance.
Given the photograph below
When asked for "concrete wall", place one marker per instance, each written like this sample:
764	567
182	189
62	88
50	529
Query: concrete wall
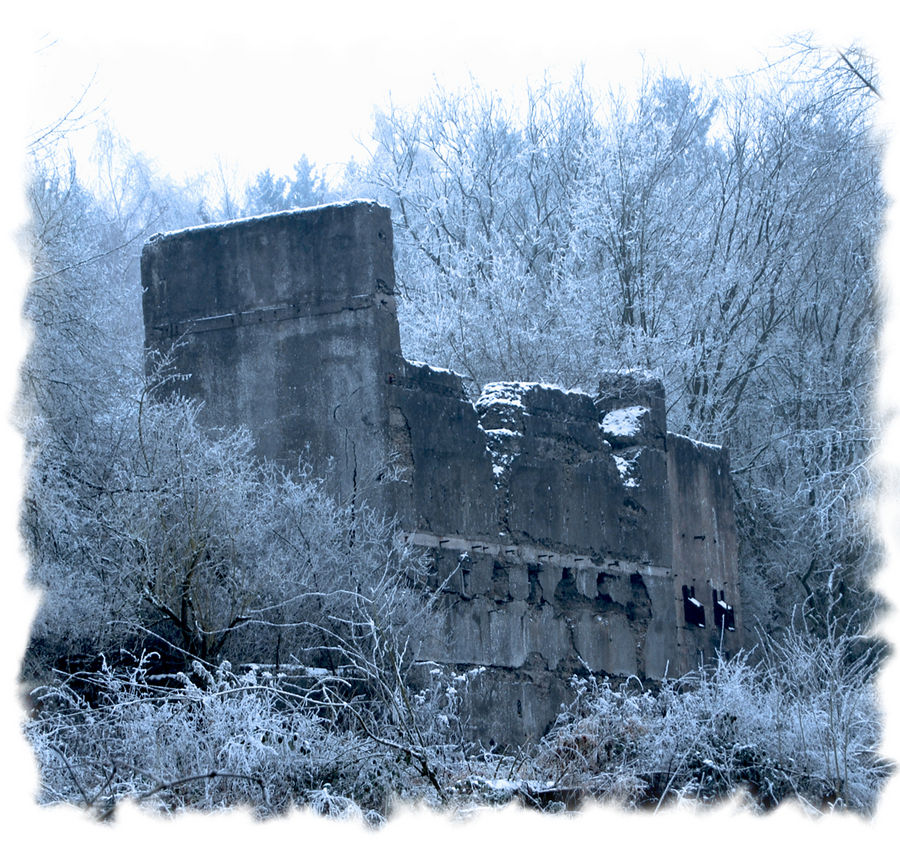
551	542
285	325
704	549
561	526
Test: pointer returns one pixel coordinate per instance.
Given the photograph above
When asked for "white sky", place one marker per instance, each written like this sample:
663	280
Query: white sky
258	83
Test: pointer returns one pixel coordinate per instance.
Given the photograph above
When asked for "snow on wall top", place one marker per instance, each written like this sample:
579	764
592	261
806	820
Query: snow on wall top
698	444
510	393
501	392
624	422
240	221
432	367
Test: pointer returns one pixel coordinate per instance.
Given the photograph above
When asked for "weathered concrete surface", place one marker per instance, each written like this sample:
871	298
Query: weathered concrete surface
286	325
704	543
447	484
561	526
568	566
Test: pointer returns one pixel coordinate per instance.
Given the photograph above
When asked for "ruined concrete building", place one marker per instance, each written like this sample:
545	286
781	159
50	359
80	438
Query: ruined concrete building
576	531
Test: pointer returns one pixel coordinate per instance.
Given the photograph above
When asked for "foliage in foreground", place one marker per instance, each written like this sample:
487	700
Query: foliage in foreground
772	728
777	729
212	740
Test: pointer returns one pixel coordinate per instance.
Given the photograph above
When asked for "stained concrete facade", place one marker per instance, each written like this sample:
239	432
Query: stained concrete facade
567	531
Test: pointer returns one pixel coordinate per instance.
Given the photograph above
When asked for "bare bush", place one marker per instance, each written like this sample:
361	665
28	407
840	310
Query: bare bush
220	739
803	724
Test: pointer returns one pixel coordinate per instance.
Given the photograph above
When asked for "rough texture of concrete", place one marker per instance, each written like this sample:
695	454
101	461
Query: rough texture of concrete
285	324
567	532
704	545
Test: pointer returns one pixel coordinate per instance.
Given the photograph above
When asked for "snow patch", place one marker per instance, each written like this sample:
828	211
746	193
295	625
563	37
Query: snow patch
626	469
511	392
714	446
500	432
500	462
312	671
498	444
624	422
569	392
507	393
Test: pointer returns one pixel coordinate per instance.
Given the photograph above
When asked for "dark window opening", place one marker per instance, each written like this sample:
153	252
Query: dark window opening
723	611
694	612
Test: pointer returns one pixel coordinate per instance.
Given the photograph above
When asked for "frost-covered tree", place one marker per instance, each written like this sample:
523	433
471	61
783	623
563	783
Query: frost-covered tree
481	211
722	238
84	371
307	187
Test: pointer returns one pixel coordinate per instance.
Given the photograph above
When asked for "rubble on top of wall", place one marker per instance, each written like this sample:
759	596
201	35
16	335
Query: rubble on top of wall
623	422
501	392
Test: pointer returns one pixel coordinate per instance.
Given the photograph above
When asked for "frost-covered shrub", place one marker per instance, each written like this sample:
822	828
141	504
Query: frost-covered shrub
217	740
772	729
221	738
714	734
803	724
187	542
829	724
186	534
596	742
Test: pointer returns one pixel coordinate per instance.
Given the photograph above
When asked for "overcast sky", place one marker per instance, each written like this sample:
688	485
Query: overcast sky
256	84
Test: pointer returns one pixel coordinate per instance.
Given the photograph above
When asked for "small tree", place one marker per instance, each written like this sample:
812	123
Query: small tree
269	193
